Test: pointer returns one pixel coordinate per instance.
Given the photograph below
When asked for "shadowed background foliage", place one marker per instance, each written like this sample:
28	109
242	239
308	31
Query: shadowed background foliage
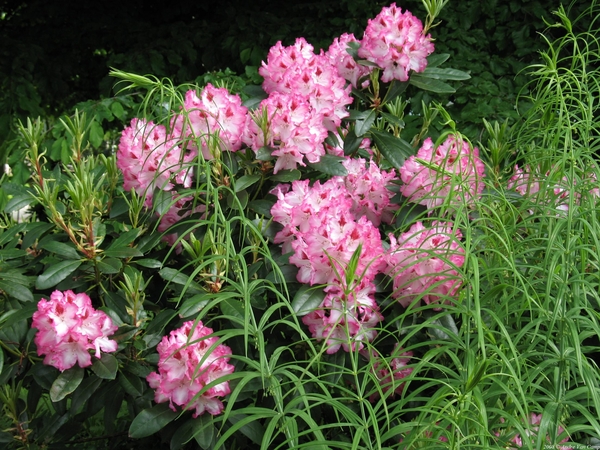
56	54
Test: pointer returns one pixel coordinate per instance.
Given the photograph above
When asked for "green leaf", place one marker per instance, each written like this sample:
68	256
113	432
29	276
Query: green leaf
307	299
285	176
61	249
193	428
331	165
56	273
131	384
18	291
430	84
82	394
125	239
245	182
18	202
161	201
234	310
106	366
265	154
109	266
9	318
96	134
117	110
123	252
151	421
437	59
364	121
66	383
395	149
149	263
445	74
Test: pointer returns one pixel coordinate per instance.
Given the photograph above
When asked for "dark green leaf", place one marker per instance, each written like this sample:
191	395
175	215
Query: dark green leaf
151	421
395	150
56	273
66	383
109	266
364	121
245	182
331	165
9	318
106	366
125	239
307	299
445	74
83	393
18	291
117	110
264	154
262	207
430	84
437	59
131	384
123	252
285	176
149	263
61	249
18	202
234	310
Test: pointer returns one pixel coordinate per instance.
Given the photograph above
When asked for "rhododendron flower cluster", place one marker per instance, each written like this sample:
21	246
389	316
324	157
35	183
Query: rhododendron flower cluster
216	119
189	360
298	70
423	262
293	130
449	173
345	318
367	186
345	64
395	42
69	327
390	373
534	421
150	159
528	183
324	225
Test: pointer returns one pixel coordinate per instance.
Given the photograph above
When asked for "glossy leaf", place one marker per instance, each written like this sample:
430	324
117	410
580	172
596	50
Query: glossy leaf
66	383
151	421
331	165
396	150
106	366
56	273
307	299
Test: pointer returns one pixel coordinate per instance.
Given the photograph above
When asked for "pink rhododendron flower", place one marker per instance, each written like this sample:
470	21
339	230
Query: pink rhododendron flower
296	69
215	119
322	231
367	187
395	42
423	262
389	373
188	362
345	318
532	433
293	130
345	64
529	183
68	328
451	173
149	159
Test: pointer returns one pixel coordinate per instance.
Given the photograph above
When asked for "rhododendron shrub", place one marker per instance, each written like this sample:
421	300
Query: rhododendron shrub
450	173
423	263
190	359
68	327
